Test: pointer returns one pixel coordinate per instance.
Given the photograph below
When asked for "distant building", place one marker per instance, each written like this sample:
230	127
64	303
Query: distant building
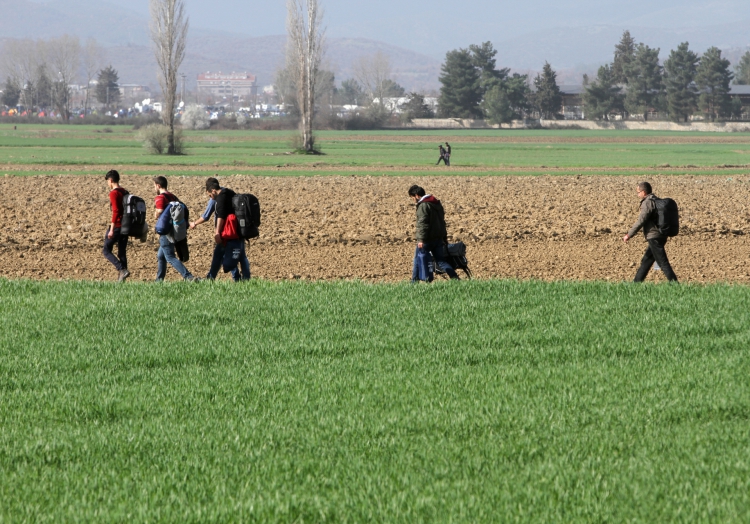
134	91
229	85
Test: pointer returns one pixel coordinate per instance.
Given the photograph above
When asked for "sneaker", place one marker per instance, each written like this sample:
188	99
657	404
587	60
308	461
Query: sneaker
124	273
192	278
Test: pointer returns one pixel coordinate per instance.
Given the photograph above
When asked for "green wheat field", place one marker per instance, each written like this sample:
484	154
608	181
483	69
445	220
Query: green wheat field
495	401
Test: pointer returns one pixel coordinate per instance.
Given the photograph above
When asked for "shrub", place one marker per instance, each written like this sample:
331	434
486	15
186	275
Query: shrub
195	117
155	138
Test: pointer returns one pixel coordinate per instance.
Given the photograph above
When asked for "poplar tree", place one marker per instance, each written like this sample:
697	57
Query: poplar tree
712	79
679	76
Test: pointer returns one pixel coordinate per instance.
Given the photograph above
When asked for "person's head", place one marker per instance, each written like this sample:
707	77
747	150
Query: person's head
212	187
113	178
644	190
416	192
160	184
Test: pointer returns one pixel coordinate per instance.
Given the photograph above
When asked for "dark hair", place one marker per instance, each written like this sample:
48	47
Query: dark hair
212	183
416	191
646	187
161	181
112	175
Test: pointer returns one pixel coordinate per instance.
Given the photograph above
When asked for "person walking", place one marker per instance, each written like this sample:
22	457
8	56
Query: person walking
216	192
442	156
167	252
447	154
431	233
113	237
656	240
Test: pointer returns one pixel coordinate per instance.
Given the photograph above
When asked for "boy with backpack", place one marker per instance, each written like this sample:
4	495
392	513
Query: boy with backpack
236	246
167	251
659	220
113	235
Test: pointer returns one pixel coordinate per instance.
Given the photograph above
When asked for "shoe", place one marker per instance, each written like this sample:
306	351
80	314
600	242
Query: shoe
192	278
124	273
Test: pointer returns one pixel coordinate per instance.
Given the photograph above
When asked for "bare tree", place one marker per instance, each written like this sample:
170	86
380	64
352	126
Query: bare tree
21	62
92	62
169	27
305	48
64	59
373	72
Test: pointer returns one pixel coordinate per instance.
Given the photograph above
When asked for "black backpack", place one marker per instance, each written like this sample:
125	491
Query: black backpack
247	209
667	217
133	216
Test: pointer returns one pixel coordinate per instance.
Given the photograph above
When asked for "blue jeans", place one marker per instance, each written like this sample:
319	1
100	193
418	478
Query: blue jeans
166	254
218	258
440	255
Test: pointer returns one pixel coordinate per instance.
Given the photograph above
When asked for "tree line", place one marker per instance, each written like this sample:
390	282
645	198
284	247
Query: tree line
634	84
39	73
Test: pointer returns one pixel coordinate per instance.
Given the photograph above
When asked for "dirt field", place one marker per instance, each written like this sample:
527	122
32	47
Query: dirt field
353	227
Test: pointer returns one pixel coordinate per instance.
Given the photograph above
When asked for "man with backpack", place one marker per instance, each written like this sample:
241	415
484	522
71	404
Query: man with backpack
167	252
113	235
220	202
431	233
657	237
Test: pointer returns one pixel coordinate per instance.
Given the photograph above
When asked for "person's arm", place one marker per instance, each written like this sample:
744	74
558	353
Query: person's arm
197	223
642	218
423	225
219	227
116	205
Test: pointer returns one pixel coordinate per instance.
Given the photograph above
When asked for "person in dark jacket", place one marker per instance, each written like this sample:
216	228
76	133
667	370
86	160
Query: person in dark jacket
448	154
442	156
431	233
656	241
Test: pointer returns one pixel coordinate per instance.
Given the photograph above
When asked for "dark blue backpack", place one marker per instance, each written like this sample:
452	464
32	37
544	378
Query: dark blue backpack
164	222
425	266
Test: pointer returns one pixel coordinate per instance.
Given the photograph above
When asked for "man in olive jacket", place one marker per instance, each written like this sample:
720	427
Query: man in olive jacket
656	241
431	234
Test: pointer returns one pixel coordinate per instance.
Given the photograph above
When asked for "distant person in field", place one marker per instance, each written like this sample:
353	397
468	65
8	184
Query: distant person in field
431	233
447	154
656	240
113	237
443	158
220	202
167	251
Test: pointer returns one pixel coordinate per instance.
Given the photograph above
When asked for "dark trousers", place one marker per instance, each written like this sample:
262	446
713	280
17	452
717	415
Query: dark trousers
445	159
121	260
655	252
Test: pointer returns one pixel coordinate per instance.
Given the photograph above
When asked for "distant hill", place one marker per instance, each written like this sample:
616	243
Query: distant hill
126	37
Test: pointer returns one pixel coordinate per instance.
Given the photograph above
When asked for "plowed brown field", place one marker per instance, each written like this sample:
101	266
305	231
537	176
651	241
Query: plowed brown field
353	227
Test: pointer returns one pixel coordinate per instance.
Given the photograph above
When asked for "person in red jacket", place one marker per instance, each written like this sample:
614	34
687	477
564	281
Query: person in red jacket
113	236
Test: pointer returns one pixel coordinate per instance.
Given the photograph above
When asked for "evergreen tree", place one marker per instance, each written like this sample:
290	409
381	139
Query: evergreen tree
712	79
679	76
11	93
602	96
519	94
351	93
496	106
416	107
461	90
736	107
742	72
42	89
391	89
108	87
624	54
645	82
547	97
483	59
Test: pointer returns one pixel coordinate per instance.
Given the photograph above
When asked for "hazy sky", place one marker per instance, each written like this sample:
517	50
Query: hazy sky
435	26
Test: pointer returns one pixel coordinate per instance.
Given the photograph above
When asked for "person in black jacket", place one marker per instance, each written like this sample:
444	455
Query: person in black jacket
431	232
442	156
